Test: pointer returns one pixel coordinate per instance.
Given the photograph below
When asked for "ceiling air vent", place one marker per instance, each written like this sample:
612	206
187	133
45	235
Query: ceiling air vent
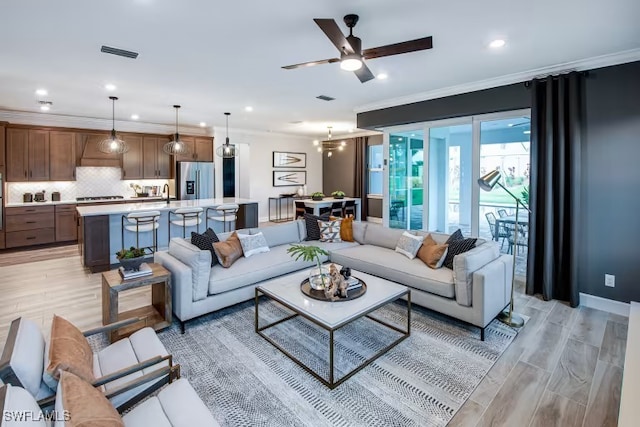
119	52
325	98
297	122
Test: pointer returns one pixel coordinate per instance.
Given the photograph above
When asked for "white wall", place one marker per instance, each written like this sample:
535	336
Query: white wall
258	169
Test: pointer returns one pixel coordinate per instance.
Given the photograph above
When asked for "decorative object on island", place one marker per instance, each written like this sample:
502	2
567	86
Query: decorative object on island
227	151
487	182
288	178
318	275
300	191
338	194
339	287
131	258
176	147
284	159
317	196
113	144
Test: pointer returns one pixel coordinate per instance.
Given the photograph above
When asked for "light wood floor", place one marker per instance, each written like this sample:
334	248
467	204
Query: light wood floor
563	369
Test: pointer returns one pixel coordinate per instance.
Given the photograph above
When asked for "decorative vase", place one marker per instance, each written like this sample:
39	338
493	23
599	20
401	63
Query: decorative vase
300	191
316	198
318	277
131	263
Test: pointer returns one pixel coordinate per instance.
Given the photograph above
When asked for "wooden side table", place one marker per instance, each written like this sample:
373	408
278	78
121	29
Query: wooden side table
157	315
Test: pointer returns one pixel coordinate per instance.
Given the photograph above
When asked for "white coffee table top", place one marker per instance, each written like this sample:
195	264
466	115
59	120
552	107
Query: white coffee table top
331	315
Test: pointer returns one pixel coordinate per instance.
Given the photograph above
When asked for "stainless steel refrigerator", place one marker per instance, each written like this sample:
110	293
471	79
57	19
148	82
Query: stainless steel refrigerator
194	180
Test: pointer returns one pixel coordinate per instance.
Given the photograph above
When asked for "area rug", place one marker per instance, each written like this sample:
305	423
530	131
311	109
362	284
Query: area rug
245	381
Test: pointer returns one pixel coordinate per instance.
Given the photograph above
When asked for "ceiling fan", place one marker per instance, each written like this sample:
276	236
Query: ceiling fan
351	52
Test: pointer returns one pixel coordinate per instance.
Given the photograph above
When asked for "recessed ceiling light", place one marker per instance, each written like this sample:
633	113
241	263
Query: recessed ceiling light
135	117
382	76
45	107
42	92
497	44
110	87
316	142
248	108
527	132
202	124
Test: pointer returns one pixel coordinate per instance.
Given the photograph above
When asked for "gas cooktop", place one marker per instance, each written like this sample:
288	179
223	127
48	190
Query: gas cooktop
84	199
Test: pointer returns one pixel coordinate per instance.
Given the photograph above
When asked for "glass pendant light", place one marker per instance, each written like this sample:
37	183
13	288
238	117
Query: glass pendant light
113	144
176	147
226	150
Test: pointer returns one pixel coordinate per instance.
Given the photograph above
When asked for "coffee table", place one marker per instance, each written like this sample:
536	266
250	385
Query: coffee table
332	316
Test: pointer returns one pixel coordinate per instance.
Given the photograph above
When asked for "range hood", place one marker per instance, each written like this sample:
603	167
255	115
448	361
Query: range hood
92	156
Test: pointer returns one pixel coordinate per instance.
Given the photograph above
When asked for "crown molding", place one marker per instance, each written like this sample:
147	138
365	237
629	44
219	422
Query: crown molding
246	136
59	120
579	65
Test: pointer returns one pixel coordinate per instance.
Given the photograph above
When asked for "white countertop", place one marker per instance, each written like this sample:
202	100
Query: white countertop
74	202
123	208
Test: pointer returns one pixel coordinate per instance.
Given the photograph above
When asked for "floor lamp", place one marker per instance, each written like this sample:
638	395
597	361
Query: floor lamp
487	183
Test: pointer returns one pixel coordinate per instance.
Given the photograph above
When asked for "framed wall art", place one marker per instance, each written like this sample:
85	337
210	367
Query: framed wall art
285	159
289	178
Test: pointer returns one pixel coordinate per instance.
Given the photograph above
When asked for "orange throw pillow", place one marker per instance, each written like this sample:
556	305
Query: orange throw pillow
431	253
228	251
69	350
346	227
86	405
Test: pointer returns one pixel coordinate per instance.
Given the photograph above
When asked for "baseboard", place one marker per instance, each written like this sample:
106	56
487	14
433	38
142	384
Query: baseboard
604	304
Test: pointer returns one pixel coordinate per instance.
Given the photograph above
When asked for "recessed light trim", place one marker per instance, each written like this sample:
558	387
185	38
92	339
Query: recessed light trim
248	108
135	117
110	87
203	124
45	107
382	76
496	44
42	92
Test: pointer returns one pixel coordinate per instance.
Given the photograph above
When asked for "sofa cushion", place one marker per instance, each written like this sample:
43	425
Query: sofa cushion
393	266
382	236
253	244
183	407
69	350
331	246
330	230
26	359
408	245
431	253
228	251
280	234
466	263
197	260
86	405
148	413
205	242
18	401
359	230
456	248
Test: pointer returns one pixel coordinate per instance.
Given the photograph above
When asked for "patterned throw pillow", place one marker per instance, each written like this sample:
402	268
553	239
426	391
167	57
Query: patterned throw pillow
329	231
205	242
409	244
253	244
457	235
431	253
311	221
456	248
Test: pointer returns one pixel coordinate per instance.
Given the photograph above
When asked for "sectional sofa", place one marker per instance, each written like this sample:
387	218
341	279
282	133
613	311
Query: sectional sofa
475	291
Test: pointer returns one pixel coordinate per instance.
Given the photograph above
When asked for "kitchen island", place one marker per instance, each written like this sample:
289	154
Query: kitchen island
99	226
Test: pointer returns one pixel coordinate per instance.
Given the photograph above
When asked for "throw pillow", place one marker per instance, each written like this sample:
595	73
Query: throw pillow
457	235
346	228
253	244
228	251
408	245
456	248
205	242
85	404
311	221
69	350
330	231
431	253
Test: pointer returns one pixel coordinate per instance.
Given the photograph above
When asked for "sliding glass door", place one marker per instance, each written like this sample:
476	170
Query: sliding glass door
406	184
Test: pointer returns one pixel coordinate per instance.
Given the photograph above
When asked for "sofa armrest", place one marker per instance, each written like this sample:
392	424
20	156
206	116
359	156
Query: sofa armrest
197	260
181	284
465	264
492	289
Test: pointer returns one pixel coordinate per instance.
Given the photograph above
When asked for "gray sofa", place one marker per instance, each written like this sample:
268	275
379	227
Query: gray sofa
475	291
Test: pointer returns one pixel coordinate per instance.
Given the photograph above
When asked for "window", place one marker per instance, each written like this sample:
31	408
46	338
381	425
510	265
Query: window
376	160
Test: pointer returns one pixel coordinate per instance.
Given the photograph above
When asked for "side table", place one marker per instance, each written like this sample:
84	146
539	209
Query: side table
157	315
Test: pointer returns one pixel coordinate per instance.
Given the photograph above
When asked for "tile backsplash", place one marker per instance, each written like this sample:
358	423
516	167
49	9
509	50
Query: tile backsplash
90	181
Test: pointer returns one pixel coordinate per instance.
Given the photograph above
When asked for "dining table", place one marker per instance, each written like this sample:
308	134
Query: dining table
328	201
523	219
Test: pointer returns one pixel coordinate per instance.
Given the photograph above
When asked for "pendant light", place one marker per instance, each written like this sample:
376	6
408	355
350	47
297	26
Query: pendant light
113	144
226	150
176	147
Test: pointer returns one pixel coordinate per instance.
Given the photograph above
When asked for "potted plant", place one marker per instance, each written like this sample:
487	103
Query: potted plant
131	258
338	194
319	275
318	195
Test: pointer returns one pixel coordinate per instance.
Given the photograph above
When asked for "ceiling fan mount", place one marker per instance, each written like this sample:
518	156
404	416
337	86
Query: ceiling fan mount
350	47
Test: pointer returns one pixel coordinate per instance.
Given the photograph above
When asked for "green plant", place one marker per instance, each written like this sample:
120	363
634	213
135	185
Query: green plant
525	195
309	254
317	194
337	193
132	252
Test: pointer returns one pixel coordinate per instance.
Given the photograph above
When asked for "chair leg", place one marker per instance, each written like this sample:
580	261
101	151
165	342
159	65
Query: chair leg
482	334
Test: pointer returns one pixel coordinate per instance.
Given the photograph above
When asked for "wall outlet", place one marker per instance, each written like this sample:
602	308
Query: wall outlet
610	280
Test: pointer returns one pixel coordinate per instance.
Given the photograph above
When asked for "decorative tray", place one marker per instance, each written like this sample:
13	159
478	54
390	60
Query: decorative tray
306	289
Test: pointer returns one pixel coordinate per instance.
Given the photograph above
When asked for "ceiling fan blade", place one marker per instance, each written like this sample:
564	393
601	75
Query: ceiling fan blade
334	33
364	73
311	63
398	48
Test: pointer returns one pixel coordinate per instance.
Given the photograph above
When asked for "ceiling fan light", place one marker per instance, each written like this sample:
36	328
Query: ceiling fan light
351	62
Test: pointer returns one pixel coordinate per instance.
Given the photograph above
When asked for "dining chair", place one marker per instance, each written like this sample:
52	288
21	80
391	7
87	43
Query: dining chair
349	208
301	209
501	233
502	213
336	209
523	237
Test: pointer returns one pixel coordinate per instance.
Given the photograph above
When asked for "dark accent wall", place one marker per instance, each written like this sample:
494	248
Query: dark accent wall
375	208
610	212
338	170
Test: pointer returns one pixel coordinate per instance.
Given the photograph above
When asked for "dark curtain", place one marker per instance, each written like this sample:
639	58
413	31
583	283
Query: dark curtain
361	174
555	187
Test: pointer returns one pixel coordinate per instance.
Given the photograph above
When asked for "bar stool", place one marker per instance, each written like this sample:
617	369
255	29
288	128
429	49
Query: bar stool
223	213
336	209
185	217
301	209
349	208
141	222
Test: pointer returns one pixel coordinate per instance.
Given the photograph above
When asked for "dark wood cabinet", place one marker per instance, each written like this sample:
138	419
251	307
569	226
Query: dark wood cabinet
164	160
190	142
66	223
17	159
156	163
95	242
2	145
38	155
27	226
204	149
132	160
62	156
